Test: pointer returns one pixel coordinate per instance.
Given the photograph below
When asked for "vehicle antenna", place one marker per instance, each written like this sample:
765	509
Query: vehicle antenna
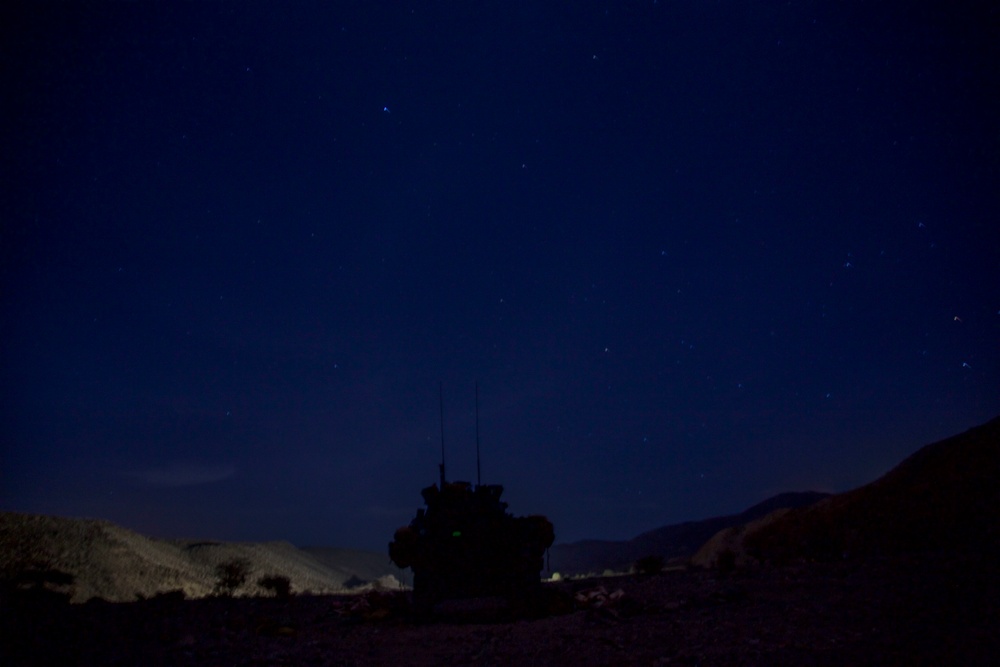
441	403
479	479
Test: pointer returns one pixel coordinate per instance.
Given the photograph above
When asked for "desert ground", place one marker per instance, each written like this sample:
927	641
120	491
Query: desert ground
922	609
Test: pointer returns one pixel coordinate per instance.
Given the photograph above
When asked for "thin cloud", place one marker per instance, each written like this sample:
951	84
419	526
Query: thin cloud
183	474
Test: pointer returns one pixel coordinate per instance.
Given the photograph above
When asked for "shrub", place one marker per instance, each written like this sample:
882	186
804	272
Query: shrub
649	565
231	575
277	584
725	563
39	583
172	597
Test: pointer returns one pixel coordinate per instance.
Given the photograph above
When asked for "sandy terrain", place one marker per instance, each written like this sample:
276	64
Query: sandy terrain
908	610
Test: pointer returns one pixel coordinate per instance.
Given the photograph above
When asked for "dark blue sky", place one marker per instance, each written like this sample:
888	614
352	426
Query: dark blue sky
694	253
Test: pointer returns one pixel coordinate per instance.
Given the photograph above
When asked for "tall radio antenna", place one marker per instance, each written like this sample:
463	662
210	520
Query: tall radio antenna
441	403
479	479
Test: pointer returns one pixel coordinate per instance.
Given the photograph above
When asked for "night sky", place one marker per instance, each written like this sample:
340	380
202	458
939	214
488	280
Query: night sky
694	253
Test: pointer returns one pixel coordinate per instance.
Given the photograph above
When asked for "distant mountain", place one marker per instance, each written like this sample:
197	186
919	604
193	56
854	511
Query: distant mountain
357	565
945	497
110	562
669	542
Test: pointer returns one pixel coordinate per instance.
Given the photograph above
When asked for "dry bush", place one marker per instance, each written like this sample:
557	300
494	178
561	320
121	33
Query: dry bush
725	563
277	584
231	575
649	565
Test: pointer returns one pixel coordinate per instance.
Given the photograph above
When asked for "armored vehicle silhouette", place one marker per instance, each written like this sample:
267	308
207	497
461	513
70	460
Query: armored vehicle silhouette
465	544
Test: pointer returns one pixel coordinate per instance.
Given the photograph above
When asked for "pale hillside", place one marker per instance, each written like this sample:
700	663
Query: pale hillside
116	564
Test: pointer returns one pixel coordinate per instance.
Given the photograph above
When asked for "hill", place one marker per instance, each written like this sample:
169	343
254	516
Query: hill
679	541
357	565
110	562
942	498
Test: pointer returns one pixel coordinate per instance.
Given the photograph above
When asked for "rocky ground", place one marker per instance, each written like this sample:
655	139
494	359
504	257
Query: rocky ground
907	610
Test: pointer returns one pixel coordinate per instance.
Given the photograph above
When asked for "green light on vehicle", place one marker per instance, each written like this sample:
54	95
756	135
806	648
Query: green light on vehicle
456	533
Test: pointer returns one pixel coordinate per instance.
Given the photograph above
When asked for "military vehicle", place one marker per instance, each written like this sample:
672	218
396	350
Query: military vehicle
465	544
